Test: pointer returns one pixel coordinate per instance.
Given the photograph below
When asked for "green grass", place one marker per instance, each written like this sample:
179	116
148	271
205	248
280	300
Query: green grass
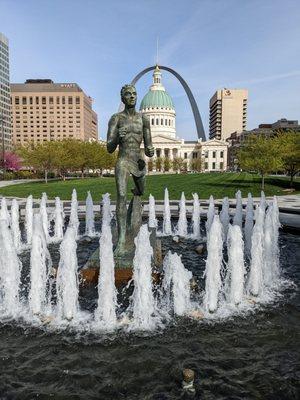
219	185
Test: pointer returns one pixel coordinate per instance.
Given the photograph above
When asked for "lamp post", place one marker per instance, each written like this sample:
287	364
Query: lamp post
3	141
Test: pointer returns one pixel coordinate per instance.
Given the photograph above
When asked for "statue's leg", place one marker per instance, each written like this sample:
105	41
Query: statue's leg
139	185
121	210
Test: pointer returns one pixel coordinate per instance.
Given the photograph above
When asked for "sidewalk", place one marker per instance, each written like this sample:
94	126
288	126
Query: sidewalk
18	181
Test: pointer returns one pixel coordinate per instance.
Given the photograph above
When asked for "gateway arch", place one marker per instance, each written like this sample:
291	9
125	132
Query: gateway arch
196	113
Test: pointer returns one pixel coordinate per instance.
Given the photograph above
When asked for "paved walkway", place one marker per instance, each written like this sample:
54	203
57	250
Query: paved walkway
17	182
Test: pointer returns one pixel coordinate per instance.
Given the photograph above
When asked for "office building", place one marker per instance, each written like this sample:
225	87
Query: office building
5	107
43	110
227	113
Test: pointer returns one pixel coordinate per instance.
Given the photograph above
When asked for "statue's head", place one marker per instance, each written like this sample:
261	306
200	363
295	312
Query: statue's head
128	95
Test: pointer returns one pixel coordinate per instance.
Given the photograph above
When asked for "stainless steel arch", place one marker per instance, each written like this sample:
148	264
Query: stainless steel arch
196	113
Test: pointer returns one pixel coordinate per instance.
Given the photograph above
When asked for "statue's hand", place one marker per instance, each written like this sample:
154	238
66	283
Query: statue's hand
122	132
149	151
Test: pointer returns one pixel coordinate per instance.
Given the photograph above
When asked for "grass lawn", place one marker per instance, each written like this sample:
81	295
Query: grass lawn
217	184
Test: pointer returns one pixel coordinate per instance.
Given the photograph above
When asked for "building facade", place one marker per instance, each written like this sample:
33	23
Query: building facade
227	113
158	106
5	107
44	111
236	139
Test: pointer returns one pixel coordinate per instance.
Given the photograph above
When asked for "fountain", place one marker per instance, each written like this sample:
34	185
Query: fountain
182	221
210	214
235	278
67	277
263	201
249	224
10	273
58	218
40	268
44	216
167	227
255	280
176	285
29	219
271	270
152	221
74	220
105	314
15	225
77	326
4	214
143	305
196	217
213	265
89	216
238	216
224	217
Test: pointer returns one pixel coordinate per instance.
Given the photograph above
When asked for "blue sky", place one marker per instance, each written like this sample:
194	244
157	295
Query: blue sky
213	44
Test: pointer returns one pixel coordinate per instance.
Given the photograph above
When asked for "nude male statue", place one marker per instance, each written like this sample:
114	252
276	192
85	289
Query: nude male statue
127	129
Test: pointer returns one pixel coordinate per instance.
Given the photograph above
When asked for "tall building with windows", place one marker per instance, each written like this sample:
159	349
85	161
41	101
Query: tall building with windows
158	106
5	107
227	113
43	110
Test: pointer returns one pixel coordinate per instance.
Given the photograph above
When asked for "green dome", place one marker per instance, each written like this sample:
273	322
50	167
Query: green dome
156	98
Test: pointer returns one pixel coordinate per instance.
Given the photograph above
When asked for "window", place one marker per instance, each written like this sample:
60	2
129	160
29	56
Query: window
161	121
221	166
63	100
213	165
77	100
50	100
24	100
169	122
206	154
57	100
185	155
43	100
195	154
36	100
166	122
221	154
157	122
17	100
206	165
70	100
214	155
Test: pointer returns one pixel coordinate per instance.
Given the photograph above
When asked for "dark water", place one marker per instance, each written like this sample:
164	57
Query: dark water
251	357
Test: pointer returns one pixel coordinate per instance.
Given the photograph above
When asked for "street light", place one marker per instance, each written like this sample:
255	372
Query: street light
2	119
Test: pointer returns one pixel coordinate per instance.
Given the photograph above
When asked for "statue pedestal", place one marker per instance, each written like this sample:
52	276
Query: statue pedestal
123	267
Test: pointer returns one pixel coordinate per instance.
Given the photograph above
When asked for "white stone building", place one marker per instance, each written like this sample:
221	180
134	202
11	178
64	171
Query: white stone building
158	106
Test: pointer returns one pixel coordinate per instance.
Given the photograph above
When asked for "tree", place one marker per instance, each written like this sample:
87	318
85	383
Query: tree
40	156
195	165
12	161
177	164
158	163
167	164
288	145
259	153
150	165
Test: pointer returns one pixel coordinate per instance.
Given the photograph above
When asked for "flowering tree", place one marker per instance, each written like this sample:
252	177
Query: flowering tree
12	161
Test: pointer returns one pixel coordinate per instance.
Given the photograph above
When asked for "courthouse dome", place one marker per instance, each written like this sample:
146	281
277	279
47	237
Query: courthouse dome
157	97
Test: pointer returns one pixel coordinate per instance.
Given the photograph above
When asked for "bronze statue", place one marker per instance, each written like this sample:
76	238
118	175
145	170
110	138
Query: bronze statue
127	129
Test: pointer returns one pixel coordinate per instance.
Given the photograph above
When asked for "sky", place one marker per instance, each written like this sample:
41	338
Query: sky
101	45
